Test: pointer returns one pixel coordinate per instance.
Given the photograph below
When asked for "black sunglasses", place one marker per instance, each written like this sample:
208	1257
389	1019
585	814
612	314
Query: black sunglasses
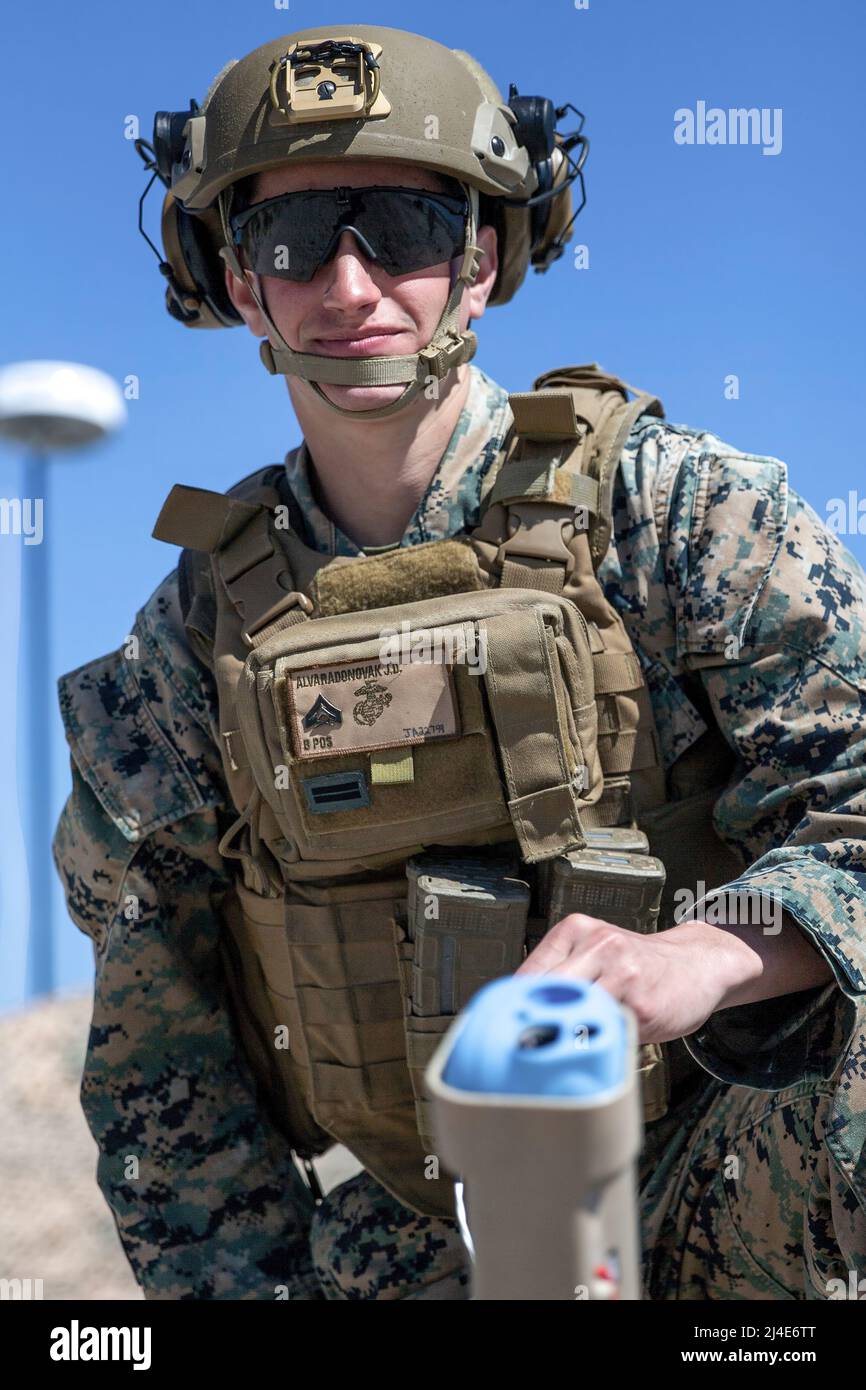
402	229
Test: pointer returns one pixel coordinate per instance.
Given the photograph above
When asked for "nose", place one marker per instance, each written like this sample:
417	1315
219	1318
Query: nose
349	283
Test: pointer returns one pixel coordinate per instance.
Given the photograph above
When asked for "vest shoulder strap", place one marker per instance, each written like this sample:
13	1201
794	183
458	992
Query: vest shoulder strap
200	519
202	522
562	455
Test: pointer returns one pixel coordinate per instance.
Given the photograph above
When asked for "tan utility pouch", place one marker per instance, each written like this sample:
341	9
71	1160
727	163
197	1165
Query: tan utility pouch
467	718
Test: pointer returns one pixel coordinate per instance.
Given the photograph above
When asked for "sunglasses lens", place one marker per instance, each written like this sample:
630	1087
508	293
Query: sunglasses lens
409	232
290	237
283	237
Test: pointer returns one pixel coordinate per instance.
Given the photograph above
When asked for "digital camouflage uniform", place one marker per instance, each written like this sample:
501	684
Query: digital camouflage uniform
754	1185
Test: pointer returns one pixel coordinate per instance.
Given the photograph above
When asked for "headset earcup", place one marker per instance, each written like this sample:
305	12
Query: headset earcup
540	214
191	242
513	238
559	211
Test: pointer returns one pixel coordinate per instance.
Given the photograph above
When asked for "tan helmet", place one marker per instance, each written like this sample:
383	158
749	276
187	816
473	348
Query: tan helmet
361	92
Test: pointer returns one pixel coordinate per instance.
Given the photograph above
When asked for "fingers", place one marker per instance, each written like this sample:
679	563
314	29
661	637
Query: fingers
573	947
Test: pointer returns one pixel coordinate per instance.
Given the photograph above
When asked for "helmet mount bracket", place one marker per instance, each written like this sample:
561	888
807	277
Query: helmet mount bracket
334	79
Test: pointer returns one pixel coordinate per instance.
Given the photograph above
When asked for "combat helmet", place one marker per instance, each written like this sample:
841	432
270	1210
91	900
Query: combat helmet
361	92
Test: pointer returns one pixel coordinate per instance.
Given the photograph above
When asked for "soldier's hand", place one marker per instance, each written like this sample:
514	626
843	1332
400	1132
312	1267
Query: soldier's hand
672	980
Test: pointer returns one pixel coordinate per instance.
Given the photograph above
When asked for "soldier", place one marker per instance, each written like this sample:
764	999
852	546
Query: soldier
369	195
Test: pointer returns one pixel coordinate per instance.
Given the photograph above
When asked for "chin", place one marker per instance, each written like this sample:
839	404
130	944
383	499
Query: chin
362	397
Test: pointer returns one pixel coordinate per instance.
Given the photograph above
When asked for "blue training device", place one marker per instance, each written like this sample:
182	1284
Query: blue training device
539	1035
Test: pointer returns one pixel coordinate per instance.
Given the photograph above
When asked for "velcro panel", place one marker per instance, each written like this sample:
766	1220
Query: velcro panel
401	576
392	766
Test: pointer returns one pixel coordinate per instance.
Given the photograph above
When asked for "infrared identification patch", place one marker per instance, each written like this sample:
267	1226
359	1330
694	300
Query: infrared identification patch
360	706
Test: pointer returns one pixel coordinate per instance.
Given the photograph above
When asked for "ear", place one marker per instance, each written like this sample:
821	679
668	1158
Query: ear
478	294
239	293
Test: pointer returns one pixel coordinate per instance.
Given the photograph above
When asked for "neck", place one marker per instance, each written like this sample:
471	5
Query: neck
371	474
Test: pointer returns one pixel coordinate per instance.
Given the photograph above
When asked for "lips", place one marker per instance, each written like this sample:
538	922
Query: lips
358	345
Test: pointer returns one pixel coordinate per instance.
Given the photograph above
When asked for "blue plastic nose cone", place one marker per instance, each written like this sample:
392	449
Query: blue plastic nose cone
539	1035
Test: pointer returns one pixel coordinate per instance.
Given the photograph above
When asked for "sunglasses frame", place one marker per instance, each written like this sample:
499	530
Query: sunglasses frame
343	196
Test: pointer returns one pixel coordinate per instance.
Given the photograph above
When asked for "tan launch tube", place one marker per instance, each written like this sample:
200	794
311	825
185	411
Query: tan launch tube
549	1184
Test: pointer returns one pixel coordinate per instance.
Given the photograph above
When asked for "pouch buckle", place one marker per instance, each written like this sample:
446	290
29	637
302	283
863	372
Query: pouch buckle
295	599
539	535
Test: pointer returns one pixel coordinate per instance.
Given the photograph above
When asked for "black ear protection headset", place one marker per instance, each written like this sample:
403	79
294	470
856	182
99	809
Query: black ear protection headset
196	294
537	118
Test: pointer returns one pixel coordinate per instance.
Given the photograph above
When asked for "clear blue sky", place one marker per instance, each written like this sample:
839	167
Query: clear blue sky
705	260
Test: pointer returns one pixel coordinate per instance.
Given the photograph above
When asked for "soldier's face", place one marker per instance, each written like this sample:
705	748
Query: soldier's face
352	307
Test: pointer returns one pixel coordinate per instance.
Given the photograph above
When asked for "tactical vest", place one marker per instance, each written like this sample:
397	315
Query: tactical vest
342	764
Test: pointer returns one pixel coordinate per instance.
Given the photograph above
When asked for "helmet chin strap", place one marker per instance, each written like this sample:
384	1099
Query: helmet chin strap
447	349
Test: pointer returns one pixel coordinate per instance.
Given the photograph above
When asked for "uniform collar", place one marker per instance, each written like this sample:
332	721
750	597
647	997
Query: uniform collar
451	503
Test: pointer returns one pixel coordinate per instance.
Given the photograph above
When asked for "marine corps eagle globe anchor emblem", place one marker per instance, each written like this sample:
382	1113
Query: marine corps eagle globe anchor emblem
376	700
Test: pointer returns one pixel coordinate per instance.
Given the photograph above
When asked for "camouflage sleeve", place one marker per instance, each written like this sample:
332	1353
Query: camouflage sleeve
771	610
206	1197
